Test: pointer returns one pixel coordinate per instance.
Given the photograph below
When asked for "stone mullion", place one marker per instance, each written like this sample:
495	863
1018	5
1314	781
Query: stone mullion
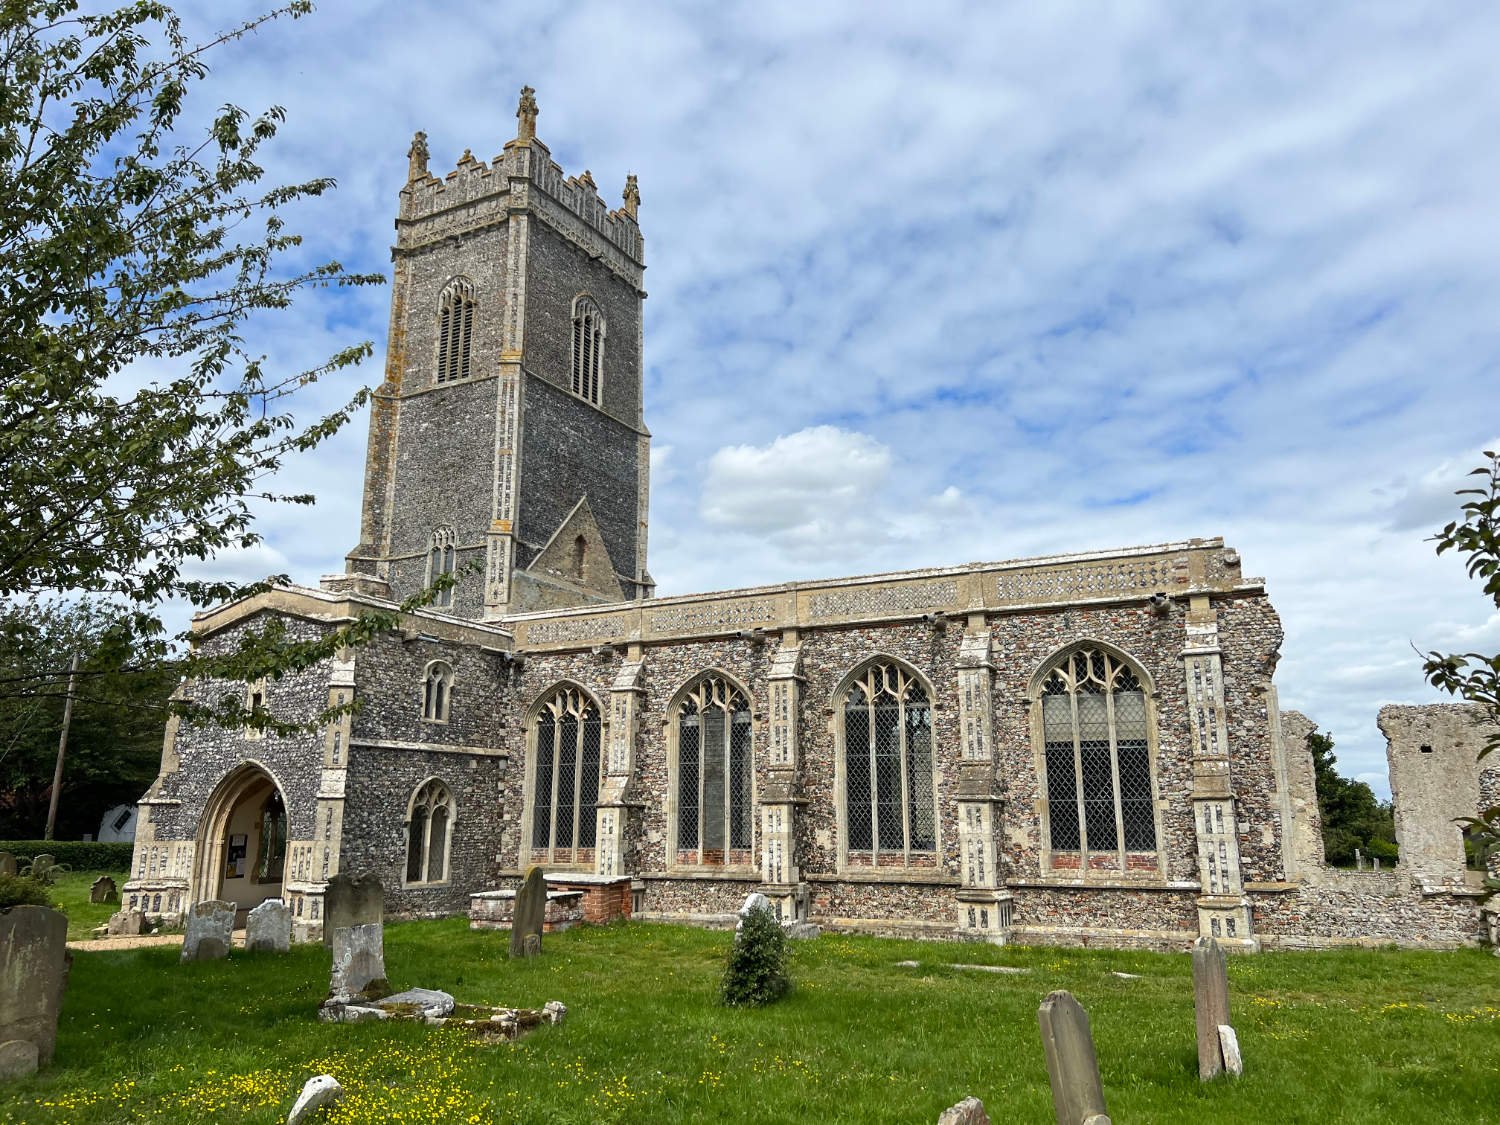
781	877
984	906
1223	910
617	809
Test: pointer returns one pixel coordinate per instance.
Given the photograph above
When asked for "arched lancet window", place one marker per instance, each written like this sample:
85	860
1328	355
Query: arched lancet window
888	789
713	775
566	737
441	559
455	330
271	862
1097	760
427	834
588	349
437	692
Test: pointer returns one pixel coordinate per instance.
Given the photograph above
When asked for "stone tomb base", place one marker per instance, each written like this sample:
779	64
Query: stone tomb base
495	910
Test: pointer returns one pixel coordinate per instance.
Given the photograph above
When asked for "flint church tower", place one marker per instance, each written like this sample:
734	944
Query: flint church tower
507	442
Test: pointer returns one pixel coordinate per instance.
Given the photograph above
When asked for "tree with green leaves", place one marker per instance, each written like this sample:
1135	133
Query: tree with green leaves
139	426
1474	677
1353	818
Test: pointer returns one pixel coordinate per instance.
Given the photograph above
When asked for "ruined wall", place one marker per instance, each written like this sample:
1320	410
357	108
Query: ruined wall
1307	821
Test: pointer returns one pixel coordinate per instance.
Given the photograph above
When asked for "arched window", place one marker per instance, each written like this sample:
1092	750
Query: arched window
566	737
588	349
1097	760
713	775
441	560
888	789
272	859
437	692
428	830
455	330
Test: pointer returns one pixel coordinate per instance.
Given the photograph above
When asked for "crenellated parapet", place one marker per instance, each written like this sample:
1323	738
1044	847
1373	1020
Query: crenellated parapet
522	179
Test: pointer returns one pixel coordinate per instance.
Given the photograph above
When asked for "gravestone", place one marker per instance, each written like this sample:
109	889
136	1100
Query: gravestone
970	1111
33	972
269	927
126	923
358	965
210	927
529	916
317	1094
1229	1042
7	863
1072	1066
41	865
103	889
351	900
753	901
1210	1004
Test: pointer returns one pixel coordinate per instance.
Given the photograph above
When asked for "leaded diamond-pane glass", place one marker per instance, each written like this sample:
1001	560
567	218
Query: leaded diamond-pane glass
688	734
857	771
541	807
588	784
1062	796
1135	797
567	781
888	781
888	785
921	807
739	780
713	781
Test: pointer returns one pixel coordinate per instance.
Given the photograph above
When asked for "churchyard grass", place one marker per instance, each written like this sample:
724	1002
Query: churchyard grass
1367	1035
70	894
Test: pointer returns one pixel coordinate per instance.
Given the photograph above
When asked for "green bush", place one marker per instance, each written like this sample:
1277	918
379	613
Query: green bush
78	855
20	890
756	973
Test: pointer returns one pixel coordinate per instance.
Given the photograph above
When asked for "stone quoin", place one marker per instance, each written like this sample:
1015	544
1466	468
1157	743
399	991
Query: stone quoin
1066	749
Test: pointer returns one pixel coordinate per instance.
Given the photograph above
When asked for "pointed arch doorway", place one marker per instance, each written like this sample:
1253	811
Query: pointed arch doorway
242	840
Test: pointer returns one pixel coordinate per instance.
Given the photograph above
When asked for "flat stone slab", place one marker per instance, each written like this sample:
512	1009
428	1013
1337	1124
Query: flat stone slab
1009	970
427	1002
801	931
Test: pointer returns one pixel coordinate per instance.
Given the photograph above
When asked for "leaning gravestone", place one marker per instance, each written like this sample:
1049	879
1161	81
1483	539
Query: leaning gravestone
529	915
753	901
351	900
7	863
210	926
103	889
970	1111
1072	1066
1210	1005
33	973
358	965
269	927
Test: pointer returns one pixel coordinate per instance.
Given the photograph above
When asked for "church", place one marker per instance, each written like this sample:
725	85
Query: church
1074	749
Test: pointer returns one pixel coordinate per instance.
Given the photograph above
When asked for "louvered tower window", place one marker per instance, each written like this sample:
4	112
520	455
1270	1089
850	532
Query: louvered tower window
588	350
455	331
1097	760
713	775
891	809
566	739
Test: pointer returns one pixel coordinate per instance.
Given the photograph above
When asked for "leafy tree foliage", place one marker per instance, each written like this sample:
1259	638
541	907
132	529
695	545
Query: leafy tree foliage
756	973
1474	677
1352	816
119	710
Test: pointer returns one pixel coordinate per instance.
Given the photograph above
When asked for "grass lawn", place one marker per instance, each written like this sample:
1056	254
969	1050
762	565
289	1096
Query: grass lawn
1348	1036
70	893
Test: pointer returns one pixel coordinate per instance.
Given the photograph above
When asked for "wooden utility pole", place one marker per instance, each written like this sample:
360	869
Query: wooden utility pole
62	749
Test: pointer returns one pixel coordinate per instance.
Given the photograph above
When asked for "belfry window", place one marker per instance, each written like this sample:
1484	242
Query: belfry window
437	692
887	756
441	560
588	350
713	775
1097	760
428	829
565	740
455	331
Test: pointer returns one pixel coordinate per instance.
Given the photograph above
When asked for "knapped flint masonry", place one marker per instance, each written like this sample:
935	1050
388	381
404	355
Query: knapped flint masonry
1048	750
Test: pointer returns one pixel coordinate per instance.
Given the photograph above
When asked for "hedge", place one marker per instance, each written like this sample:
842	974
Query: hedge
77	855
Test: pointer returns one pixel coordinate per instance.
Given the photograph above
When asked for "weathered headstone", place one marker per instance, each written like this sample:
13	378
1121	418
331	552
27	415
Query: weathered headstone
753	901
970	1111
269	927
318	1093
1072	1066
358	965
103	889
33	973
1229	1042
126	923
41	865
7	863
351	900
210	926
1210	1003
529	916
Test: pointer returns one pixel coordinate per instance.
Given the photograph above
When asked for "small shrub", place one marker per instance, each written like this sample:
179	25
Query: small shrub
756	973
21	890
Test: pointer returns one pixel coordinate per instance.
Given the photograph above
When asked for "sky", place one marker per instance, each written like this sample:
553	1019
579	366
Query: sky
936	283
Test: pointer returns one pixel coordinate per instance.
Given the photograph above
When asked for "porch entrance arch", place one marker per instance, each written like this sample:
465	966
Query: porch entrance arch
242	840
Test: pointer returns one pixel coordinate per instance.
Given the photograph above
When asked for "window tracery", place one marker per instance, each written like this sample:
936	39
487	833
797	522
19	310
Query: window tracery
714	768
891	808
442	558
566	737
437	691
428	832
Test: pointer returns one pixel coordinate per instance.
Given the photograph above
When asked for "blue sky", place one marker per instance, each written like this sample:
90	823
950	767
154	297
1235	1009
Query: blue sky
932	283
